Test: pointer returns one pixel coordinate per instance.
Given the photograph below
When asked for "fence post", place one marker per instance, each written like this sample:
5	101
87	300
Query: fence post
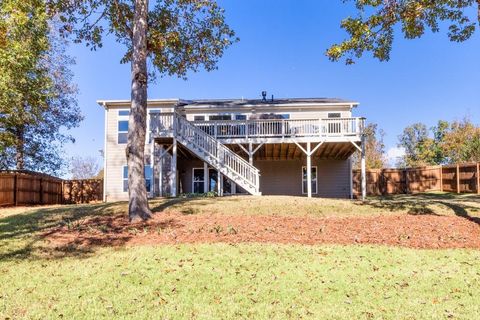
458	178
81	191
406	181
41	190
62	196
15	189
478	178
441	178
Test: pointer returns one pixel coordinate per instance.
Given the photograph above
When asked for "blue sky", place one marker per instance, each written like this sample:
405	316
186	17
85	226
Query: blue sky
281	50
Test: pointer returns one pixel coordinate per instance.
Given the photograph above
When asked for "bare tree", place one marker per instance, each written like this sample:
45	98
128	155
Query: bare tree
84	167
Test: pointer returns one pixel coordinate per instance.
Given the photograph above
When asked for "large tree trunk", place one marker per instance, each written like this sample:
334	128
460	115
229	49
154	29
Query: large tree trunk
20	149
137	125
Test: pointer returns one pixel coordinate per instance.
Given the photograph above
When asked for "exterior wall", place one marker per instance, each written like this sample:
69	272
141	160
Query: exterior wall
285	177
295	113
277	177
115	153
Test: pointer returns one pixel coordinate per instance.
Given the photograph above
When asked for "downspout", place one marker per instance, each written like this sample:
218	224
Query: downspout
105	153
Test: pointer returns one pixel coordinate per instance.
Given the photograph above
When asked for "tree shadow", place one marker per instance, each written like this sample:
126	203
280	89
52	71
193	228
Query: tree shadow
419	204
23	235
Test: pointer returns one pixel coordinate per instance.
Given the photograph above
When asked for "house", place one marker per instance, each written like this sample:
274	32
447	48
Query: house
259	147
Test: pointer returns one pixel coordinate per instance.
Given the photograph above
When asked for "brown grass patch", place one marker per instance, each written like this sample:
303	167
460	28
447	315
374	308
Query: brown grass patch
416	231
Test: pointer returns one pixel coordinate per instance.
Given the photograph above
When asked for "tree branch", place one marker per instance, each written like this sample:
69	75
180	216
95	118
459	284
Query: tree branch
122	18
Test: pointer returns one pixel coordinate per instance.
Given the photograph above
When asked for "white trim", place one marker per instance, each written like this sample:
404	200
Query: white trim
105	157
316	180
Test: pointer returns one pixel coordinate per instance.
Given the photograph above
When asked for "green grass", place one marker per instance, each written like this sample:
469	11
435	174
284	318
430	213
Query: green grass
245	282
248	281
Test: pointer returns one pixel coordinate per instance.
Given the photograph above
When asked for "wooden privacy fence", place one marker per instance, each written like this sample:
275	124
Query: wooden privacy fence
31	188
461	178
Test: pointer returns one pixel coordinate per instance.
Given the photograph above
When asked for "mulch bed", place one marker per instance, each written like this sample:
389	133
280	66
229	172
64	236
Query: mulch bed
415	231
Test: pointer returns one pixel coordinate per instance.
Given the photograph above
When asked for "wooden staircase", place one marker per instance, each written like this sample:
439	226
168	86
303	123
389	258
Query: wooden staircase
216	154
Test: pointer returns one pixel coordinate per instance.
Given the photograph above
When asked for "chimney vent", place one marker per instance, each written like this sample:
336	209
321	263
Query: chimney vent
264	95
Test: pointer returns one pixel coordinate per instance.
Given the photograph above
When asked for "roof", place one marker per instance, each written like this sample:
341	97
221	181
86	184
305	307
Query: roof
237	102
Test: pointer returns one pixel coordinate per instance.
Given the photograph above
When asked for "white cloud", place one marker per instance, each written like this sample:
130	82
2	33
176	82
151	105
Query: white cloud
394	154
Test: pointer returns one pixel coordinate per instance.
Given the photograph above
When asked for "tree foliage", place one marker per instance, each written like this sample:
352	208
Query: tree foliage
182	35
445	143
37	98
176	36
374	148
373	29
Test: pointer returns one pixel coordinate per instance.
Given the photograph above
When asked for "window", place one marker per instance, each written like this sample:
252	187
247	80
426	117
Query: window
198	180
314	180
335	115
198	118
220	117
148	172
122	127
283	116
240	117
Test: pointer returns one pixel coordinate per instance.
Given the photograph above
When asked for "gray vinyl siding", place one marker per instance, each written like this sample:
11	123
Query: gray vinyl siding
285	177
277	177
115	156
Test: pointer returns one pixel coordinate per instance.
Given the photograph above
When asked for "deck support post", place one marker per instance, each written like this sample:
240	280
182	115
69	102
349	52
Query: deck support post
309	152
363	169
309	169
173	175
250	153
152	164
160	172
206	178
220	184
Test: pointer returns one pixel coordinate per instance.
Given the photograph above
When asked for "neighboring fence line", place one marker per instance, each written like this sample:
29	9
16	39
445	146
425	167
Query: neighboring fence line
461	178
31	188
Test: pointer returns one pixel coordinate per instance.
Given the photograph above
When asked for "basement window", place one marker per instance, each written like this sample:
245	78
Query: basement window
198	180
148	172
314	180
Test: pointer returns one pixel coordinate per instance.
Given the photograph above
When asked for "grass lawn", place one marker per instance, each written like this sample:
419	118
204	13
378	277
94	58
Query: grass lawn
241	281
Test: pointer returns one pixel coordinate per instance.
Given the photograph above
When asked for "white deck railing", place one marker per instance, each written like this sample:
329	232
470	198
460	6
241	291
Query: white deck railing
161	124
283	128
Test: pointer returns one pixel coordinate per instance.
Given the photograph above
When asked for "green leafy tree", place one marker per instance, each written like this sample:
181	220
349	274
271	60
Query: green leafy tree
374	148
461	142
373	29
417	144
174	35
37	100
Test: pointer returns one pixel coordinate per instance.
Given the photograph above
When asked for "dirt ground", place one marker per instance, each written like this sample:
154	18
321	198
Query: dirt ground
416	231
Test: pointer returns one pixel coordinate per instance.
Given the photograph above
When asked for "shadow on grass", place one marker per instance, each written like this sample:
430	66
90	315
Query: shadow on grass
419	204
81	228
22	234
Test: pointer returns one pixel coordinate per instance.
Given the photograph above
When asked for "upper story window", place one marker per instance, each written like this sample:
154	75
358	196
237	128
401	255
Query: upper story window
198	118
122	127
284	116
334	115
220	117
240	117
